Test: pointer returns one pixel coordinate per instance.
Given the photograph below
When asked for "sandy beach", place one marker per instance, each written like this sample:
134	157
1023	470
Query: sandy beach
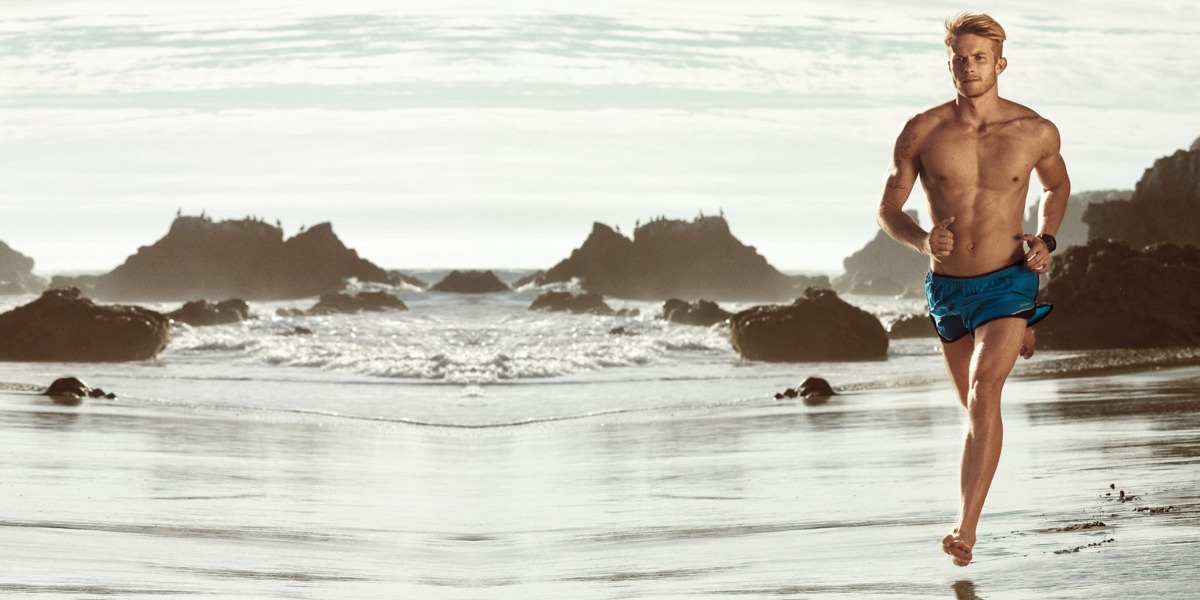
753	499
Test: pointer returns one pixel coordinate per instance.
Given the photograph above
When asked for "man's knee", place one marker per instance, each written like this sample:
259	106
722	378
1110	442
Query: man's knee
983	397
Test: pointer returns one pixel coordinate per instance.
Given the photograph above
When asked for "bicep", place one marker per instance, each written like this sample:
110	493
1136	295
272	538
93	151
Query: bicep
1051	168
902	173
1052	171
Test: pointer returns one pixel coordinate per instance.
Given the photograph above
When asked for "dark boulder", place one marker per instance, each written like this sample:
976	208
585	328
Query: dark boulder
813	391
199	313
471	282
1107	295
71	391
702	312
884	267
673	259
912	326
199	258
818	326
1164	206
815	388
572	303
16	273
64	326
355	303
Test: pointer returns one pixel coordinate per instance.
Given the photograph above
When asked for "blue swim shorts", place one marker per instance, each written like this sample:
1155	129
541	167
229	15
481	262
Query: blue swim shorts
959	305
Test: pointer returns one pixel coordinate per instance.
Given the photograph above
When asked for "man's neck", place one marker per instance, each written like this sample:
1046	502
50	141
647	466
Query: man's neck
978	111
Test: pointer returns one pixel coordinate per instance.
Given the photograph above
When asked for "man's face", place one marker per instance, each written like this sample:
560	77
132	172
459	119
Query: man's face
974	64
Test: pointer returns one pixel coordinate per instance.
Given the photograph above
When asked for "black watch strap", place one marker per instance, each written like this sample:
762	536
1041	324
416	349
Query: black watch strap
1051	243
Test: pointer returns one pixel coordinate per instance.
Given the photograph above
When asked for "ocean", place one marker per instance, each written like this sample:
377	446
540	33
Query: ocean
471	448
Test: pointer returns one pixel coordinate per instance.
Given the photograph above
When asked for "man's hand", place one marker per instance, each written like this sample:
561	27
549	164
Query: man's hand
1038	257
940	240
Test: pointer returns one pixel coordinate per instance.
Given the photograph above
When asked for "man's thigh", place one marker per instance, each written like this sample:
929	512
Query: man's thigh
997	345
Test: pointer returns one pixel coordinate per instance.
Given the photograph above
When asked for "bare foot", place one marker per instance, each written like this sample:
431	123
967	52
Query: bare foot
1028	344
958	547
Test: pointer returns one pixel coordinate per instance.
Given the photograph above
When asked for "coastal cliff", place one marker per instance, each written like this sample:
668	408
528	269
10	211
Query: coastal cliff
16	273
676	259
1164	206
1074	231
884	267
200	258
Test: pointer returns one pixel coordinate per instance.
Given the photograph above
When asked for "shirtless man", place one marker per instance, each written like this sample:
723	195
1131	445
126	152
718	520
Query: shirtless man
974	156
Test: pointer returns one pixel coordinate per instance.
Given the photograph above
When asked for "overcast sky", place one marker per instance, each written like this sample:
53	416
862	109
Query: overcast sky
463	134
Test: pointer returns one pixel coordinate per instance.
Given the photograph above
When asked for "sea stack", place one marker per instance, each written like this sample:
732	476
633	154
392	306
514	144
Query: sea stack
675	259
16	273
249	259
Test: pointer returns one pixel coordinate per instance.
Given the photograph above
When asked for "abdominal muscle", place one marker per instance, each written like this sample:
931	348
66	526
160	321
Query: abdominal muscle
982	242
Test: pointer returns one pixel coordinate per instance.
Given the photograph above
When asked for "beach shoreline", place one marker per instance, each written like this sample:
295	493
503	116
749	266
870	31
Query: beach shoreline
758	498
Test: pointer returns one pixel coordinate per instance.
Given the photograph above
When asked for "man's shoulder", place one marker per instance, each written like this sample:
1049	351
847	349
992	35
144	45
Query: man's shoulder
1028	118
929	119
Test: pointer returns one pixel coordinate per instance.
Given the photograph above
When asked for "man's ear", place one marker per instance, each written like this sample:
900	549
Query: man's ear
1001	64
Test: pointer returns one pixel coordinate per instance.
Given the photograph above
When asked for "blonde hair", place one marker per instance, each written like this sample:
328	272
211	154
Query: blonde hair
982	25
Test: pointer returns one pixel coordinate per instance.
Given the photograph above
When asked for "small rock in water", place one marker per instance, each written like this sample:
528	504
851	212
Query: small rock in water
71	391
815	387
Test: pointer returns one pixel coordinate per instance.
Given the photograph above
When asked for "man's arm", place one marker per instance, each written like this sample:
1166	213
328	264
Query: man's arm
901	177
1056	184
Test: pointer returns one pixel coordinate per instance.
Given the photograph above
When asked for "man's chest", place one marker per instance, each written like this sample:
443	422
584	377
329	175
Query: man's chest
996	161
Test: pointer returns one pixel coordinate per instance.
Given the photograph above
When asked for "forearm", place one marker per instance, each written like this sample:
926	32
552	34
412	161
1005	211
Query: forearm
1053	207
901	227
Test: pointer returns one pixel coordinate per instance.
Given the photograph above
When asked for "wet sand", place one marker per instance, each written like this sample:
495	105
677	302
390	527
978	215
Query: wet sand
759	499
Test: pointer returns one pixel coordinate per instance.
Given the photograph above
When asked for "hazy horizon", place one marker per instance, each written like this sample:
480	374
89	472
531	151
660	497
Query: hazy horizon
473	136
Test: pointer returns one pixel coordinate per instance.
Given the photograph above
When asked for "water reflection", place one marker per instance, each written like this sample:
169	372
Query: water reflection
965	590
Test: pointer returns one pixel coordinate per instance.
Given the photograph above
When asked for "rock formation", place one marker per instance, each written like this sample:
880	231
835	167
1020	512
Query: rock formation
578	304
573	303
674	259
884	267
818	326
16	273
399	278
71	391
912	326
199	313
1073	230
354	303
1107	295
63	326
535	279
471	282
1164	207
702	312
199	258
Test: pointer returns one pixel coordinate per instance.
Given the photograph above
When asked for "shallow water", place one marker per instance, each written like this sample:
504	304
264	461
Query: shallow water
752	499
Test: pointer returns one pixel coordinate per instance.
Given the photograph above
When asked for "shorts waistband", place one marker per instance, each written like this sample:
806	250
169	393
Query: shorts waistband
981	277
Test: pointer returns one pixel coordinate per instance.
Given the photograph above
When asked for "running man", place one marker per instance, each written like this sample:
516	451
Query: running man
974	156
